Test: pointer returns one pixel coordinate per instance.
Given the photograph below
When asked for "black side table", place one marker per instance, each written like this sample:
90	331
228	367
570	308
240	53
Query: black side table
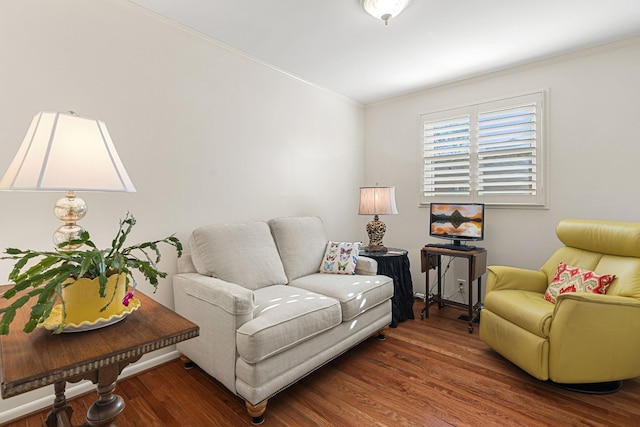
395	264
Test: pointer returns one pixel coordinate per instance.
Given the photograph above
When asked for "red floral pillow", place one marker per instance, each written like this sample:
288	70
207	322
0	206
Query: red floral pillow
574	279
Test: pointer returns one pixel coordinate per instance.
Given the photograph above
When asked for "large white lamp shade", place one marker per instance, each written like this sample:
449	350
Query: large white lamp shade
63	151
67	152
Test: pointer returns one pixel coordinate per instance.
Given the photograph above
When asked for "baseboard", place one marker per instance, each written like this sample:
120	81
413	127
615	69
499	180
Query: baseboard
83	387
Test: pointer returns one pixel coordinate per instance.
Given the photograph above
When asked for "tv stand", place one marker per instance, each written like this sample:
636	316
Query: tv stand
431	257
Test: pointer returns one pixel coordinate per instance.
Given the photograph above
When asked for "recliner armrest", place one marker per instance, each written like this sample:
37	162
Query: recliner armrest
503	277
366	266
594	338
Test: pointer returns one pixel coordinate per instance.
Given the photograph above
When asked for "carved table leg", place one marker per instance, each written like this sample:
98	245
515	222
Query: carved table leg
105	410
60	414
256	412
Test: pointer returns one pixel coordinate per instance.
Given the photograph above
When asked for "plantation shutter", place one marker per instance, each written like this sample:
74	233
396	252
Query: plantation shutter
507	151
447	157
490	153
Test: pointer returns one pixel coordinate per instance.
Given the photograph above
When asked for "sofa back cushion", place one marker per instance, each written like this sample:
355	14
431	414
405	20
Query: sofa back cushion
244	254
301	242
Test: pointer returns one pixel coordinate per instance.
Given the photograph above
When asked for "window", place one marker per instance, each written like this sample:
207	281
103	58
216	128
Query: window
491	153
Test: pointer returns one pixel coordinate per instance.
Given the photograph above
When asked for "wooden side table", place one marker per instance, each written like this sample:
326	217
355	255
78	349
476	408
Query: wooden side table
31	361
395	264
477	265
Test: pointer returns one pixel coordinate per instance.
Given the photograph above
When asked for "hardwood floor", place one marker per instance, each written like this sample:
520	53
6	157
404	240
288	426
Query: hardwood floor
428	372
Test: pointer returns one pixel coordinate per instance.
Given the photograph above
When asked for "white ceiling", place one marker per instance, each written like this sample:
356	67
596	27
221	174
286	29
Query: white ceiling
336	45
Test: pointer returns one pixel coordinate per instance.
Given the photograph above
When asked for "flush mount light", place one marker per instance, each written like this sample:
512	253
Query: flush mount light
384	9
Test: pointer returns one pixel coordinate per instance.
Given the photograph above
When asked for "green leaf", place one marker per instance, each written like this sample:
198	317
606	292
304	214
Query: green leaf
20	286
102	281
9	293
9	313
15	273
13	251
43	265
30	325
85	264
7	318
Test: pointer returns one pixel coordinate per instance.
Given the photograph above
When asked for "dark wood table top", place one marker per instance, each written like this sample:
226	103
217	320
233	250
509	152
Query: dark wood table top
390	252
34	360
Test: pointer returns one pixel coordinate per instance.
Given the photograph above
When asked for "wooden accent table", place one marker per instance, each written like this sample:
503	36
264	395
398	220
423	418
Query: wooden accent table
431	258
31	361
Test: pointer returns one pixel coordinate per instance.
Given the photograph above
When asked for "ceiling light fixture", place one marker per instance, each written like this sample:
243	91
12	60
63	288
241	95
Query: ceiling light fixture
384	9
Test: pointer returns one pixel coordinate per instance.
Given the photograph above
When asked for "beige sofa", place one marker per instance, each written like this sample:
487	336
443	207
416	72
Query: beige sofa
267	316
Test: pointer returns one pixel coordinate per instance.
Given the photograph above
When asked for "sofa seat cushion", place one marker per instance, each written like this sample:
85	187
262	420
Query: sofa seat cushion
285	316
526	309
355	293
244	254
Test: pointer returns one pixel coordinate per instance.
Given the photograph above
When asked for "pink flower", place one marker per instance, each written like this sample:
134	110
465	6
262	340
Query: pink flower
127	297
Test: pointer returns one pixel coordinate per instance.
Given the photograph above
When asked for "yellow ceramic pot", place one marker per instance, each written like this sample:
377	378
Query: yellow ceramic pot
83	302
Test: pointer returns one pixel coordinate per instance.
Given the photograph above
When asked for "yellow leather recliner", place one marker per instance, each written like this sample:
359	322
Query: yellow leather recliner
583	338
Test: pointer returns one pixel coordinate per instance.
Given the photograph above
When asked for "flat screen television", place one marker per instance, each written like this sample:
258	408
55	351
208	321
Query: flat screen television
457	222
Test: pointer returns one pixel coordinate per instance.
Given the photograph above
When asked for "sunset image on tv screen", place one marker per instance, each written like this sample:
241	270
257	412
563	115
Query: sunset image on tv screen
457	220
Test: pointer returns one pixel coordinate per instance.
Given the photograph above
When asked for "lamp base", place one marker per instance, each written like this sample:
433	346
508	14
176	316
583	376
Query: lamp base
376	230
69	209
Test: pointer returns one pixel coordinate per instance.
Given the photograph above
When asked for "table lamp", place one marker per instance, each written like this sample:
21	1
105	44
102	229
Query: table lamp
67	152
377	201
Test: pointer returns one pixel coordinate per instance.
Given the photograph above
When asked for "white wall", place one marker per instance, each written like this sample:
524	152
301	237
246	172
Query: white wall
206	134
593	144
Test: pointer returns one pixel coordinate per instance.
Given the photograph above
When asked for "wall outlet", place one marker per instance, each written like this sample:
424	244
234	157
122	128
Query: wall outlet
461	283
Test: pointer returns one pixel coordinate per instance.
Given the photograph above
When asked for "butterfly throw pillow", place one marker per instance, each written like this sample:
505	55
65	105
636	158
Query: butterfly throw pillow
340	258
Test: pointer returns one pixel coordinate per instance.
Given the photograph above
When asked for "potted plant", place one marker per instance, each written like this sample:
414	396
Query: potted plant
47	276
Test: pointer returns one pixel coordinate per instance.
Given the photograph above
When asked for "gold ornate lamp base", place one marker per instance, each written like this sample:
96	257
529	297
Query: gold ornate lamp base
376	230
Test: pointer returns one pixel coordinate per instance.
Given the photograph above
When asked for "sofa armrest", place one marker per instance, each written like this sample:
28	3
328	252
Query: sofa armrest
366	266
219	308
594	338
503	277
230	297
185	264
